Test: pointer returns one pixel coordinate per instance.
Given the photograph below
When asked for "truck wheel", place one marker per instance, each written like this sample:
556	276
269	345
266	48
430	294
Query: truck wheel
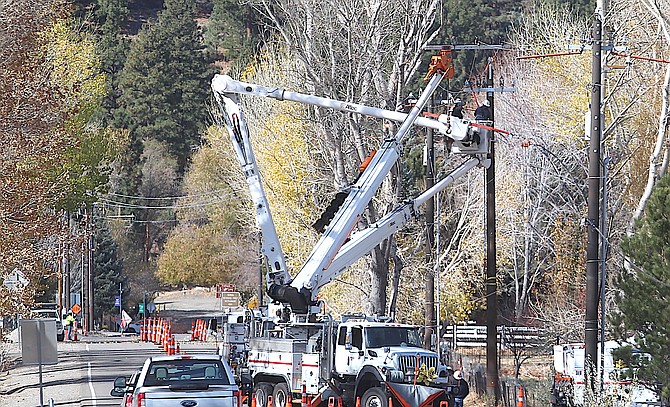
261	393
60	337
374	397
280	395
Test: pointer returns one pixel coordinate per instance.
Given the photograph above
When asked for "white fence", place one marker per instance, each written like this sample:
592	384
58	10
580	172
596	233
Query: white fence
508	337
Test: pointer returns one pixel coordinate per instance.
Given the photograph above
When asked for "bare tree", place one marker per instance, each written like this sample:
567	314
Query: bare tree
658	160
359	51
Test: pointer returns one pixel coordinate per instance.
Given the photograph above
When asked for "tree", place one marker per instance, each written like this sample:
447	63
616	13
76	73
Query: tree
112	46
231	31
343	48
165	82
660	156
54	156
107	270
643	288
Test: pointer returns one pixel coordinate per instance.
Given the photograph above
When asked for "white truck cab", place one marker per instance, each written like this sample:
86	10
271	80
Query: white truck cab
395	350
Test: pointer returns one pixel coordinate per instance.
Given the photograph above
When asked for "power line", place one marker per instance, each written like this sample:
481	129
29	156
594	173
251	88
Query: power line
176	206
216	192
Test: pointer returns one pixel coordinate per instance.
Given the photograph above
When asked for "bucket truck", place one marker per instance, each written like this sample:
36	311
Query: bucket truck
360	359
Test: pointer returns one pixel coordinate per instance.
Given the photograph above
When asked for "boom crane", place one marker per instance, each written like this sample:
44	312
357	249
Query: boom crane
333	253
270	247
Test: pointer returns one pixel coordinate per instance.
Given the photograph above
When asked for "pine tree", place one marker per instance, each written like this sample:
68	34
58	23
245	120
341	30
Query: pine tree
165	82
643	290
231	31
112	44
477	22
107	270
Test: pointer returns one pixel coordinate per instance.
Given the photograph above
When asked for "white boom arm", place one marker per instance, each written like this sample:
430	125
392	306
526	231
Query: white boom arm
360	195
239	135
362	242
226	84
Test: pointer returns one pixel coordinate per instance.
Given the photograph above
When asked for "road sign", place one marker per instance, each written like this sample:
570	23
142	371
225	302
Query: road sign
151	308
76	309
140	307
229	299
117	301
15	280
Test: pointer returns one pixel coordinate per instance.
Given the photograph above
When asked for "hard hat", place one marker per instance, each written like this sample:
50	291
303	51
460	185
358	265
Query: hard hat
486	103
457	101
458	374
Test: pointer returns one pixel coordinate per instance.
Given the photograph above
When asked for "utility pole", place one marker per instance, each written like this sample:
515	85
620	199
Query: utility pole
84	275
593	203
492	376
89	289
491	271
66	263
120	308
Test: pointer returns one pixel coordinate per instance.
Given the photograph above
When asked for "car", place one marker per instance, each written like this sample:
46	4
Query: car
50	314
202	380
133	327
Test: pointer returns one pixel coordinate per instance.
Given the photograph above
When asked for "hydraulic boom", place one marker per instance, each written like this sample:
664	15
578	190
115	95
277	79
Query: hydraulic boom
331	255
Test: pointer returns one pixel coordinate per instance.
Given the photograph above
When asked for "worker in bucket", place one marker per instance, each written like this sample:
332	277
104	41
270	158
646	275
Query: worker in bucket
483	112
457	111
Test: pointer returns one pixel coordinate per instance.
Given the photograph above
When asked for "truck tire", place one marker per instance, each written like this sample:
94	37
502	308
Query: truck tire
374	397
280	395
60	337
261	393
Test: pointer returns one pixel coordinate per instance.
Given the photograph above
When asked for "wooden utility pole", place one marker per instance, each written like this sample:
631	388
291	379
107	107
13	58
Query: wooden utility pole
593	203
492	376
492	388
89	290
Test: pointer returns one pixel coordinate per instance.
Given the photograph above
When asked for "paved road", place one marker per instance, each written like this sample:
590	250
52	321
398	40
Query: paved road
85	371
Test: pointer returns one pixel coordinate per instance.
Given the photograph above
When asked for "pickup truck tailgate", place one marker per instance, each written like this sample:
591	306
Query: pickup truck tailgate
164	396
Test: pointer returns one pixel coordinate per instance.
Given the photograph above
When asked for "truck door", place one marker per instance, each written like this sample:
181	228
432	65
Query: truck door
349	350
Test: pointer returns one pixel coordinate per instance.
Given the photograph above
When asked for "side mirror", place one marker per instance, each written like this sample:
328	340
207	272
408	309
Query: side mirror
119	389
347	341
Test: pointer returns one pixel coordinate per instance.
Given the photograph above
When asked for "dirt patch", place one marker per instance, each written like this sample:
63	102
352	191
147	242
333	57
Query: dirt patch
183	307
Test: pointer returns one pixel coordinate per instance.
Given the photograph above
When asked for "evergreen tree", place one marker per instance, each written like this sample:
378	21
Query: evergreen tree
643	290
165	82
476	22
107	270
231	31
112	44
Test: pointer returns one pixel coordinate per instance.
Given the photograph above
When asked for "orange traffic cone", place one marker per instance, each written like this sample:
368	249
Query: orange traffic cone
521	402
171	349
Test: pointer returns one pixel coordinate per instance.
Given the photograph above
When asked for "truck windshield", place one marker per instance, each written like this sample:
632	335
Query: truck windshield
191	371
378	337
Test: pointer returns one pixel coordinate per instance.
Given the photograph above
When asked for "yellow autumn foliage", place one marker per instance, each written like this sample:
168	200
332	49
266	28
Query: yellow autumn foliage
75	66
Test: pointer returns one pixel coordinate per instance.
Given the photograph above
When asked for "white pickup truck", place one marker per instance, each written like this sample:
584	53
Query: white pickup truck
181	381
